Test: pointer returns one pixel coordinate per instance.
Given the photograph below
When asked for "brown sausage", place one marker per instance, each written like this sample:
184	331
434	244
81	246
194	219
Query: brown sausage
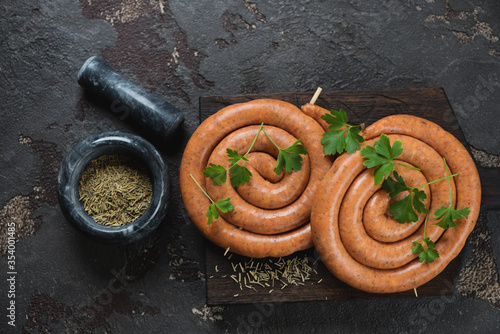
316	112
377	222
397	253
329	197
257	197
197	154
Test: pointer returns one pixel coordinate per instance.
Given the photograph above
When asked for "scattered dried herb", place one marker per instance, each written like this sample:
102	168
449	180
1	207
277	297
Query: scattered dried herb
272	273
115	190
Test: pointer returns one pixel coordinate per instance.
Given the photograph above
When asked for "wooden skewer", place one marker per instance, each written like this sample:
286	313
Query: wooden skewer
415	290
316	95
227	250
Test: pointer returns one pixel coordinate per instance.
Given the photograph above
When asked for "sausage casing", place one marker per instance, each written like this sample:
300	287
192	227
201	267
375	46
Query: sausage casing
329	198
271	232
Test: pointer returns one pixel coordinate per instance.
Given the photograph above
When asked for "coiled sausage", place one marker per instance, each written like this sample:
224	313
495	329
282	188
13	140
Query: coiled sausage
256	231
328	218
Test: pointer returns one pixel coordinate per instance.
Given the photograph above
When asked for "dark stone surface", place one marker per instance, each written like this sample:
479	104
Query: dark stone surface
181	50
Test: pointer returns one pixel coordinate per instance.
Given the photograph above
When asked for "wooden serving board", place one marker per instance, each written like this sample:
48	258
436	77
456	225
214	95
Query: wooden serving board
228	275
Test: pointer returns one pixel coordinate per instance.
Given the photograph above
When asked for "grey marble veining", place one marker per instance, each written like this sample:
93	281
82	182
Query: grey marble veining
130	102
113	142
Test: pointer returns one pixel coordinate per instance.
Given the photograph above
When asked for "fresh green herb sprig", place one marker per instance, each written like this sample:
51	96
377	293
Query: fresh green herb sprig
238	174
337	140
342	136
426	250
404	210
223	205
447	215
289	159
381	155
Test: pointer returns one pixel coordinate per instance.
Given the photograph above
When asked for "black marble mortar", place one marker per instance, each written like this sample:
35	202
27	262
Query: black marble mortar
113	142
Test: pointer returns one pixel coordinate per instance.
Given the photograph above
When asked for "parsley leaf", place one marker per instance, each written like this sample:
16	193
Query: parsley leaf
382	155
352	140
405	210
215	172
289	158
234	157
223	205
418	200
426	254
239	175
395	186
417	248
336	140
336	119
212	213
448	215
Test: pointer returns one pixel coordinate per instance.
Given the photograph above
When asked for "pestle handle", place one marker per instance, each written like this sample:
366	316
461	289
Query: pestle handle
131	102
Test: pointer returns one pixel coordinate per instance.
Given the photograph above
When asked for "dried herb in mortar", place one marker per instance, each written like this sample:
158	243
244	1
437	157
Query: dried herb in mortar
115	190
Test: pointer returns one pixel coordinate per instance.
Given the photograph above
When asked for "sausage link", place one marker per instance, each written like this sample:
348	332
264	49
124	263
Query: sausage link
252	201
395	254
328	200
316	112
197	153
377	222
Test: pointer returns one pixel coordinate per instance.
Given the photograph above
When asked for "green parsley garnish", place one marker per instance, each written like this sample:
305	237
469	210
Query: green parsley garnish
382	155
426	250
224	205
239	175
449	214
216	172
426	254
336	139
405	210
289	159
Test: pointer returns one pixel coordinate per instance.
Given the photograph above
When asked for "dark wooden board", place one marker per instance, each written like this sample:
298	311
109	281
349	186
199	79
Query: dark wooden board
321	285
361	107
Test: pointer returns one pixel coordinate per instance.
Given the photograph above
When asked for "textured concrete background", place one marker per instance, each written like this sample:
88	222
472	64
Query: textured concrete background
181	50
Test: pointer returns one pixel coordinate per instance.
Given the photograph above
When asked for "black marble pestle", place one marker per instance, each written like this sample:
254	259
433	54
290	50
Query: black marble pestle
130	102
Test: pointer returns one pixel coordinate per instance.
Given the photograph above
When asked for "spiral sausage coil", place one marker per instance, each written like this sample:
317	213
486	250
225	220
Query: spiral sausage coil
351	230
271	215
335	208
